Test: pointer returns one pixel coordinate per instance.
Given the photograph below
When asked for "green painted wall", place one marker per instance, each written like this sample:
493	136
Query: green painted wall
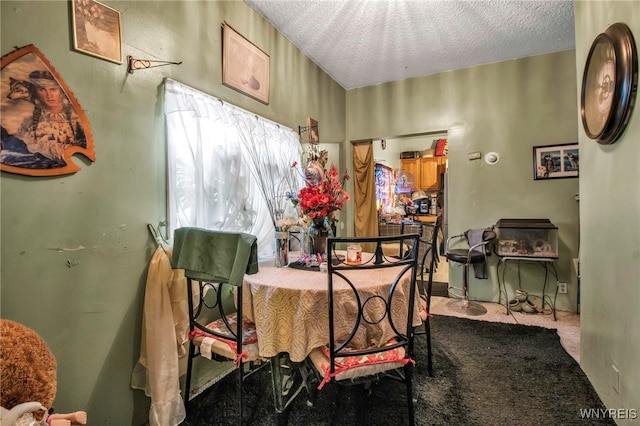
508	107
610	233
90	314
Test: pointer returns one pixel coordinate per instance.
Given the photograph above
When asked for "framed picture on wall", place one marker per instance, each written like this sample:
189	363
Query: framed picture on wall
245	67
314	132
96	30
43	125
556	161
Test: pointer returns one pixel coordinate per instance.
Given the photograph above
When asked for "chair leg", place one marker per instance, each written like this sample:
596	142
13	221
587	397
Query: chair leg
408	371
464	305
240	394
427	326
427	323
187	381
465	283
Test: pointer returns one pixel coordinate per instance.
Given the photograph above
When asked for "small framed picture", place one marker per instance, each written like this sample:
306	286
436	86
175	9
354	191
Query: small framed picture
314	132
245	67
96	30
556	161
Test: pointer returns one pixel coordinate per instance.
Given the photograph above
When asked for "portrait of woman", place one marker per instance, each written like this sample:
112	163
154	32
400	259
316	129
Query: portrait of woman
42	124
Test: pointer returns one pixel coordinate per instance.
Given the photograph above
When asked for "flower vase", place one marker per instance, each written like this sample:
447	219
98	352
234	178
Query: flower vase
318	232
300	241
282	248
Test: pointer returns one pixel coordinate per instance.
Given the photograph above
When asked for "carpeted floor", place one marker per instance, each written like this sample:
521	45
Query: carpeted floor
485	374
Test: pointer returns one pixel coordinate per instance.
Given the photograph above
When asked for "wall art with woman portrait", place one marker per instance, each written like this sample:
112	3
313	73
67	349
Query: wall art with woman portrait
43	125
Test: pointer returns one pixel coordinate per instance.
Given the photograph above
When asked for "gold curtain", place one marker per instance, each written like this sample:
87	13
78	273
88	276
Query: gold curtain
366	218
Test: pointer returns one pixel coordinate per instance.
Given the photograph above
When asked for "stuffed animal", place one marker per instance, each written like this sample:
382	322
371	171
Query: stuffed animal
28	379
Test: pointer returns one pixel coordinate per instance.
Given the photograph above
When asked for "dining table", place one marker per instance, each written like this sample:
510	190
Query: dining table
290	309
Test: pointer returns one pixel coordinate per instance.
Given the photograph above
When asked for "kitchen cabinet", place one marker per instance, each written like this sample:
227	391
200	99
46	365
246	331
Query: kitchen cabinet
427	172
411	166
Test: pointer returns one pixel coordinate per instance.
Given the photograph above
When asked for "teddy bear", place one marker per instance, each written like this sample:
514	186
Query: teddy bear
28	380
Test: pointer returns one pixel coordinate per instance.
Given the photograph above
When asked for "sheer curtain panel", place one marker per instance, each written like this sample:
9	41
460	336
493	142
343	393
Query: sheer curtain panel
212	179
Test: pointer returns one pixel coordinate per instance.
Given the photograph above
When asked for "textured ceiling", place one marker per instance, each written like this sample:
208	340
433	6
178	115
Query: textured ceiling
365	42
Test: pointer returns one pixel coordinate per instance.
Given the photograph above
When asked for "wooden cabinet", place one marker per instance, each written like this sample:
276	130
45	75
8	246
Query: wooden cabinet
411	166
429	174
426	172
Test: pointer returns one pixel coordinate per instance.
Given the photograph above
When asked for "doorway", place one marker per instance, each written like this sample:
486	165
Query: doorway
394	153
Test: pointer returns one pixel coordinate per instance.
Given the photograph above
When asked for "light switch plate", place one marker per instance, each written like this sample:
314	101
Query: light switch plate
474	155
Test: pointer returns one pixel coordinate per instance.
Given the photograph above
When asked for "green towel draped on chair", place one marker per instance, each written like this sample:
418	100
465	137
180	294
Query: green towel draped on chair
215	256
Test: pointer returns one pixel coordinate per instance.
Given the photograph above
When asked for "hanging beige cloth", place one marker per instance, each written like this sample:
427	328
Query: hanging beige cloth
366	217
165	329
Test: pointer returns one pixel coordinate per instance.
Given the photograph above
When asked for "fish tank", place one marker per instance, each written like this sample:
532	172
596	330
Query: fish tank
532	238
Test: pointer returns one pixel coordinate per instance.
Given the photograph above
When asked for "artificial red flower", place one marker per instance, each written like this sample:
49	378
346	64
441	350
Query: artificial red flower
322	200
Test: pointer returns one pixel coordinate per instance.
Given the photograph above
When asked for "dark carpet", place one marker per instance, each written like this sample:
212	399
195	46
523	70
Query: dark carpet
484	374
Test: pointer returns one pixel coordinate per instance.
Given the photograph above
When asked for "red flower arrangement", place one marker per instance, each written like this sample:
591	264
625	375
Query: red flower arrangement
322	200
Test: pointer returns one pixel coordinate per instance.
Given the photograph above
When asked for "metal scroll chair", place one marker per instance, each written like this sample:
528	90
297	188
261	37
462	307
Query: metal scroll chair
215	263
372	313
428	264
479	242
408	227
413	227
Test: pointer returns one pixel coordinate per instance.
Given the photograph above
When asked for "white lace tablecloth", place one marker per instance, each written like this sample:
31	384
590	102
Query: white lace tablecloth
290	309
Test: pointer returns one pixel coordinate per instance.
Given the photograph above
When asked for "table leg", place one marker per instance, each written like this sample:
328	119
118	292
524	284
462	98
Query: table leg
288	380
555	273
504	284
544	286
578	302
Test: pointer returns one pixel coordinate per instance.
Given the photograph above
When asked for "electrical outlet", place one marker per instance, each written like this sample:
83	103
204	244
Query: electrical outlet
562	288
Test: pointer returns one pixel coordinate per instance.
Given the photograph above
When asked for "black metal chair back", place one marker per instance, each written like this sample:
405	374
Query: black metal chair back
391	308
215	263
428	264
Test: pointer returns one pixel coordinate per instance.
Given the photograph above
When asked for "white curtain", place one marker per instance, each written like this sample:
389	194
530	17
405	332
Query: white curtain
212	179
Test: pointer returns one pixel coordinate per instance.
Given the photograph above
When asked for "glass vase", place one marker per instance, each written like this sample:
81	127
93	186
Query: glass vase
282	248
299	241
318	232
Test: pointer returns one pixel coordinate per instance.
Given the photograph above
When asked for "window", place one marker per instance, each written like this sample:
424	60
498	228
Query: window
213	178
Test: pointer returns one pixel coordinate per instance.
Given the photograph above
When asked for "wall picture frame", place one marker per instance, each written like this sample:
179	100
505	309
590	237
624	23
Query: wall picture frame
556	161
245	67
97	30
314	131
43	124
